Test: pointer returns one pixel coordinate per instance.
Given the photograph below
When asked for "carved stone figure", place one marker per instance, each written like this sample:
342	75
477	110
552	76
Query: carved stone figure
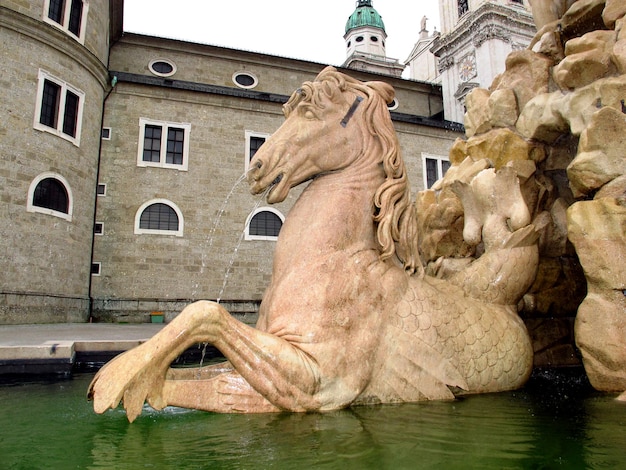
349	316
549	11
570	90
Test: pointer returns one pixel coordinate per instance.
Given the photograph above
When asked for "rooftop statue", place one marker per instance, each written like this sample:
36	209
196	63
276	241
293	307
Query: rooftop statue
349	316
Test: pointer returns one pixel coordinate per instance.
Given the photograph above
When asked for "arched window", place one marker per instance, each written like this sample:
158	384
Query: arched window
264	224
160	217
50	194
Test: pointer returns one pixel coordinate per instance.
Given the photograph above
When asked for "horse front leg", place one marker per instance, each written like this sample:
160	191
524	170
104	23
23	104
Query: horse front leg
261	358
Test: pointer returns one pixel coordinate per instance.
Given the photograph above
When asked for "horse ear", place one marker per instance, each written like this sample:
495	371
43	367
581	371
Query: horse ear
385	90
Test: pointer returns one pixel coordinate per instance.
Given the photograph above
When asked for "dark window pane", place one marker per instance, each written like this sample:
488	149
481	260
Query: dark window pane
51	194
175	141
445	165
70	116
76	16
55	11
265	224
50	104
463	7
431	172
152	143
162	67
244	79
255	144
159	217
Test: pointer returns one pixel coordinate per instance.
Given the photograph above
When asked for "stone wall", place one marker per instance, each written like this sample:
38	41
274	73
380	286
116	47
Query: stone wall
210	260
45	270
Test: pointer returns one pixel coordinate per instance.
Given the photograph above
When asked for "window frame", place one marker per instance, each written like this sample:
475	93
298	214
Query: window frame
147	231
64	26
31	207
439	159
98	265
248	138
97	232
165	125
161	74
65	87
255	80
248	236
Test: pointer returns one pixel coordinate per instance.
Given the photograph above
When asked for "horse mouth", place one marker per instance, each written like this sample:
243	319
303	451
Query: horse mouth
276	191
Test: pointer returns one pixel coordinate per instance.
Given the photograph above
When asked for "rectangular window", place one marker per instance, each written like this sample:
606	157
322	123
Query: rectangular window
55	11
163	144
76	17
68	15
59	108
96	269
434	167
101	189
106	133
50	104
70	115
254	140
98	228
463	7
175	146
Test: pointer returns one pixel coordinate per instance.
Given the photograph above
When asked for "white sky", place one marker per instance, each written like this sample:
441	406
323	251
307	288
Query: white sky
311	30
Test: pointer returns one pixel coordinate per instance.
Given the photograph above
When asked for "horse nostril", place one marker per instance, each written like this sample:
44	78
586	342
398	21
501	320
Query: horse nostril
278	179
258	165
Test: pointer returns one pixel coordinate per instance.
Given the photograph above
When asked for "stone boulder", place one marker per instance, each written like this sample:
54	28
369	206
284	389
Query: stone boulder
527	74
598	231
602	153
613	11
587	59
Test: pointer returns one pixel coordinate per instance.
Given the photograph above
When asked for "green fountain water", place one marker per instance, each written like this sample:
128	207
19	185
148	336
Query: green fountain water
51	425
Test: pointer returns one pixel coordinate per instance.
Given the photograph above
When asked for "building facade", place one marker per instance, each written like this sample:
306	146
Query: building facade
54	82
124	158
476	38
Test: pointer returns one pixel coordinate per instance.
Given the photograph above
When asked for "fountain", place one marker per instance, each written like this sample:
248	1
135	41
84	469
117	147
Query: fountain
351	315
543	164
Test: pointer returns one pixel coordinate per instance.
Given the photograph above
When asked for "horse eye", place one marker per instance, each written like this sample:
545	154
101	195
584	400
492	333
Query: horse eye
308	114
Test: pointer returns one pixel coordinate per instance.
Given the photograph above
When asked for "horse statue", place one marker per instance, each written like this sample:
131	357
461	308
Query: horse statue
349	317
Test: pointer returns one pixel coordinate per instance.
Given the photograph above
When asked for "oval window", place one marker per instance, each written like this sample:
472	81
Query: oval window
374	39
245	80
359	39
162	67
393	105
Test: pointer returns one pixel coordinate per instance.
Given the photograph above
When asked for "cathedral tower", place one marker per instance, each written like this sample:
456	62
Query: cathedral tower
365	38
476	37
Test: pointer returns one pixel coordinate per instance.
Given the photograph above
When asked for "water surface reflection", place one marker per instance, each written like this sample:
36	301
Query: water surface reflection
51	425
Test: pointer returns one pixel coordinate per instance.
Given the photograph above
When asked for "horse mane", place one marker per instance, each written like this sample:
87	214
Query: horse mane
394	214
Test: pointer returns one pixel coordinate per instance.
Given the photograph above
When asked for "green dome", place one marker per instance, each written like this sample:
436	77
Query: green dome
364	15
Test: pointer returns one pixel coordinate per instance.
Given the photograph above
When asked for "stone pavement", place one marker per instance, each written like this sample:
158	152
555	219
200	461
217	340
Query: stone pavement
59	348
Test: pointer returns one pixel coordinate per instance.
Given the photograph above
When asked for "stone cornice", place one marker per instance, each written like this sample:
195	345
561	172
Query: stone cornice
57	39
487	22
137	79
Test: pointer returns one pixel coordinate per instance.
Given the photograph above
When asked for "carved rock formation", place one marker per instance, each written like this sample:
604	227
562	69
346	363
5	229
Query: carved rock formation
556	119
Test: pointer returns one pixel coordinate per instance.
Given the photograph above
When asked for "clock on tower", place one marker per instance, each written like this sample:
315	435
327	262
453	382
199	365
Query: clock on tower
467	67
